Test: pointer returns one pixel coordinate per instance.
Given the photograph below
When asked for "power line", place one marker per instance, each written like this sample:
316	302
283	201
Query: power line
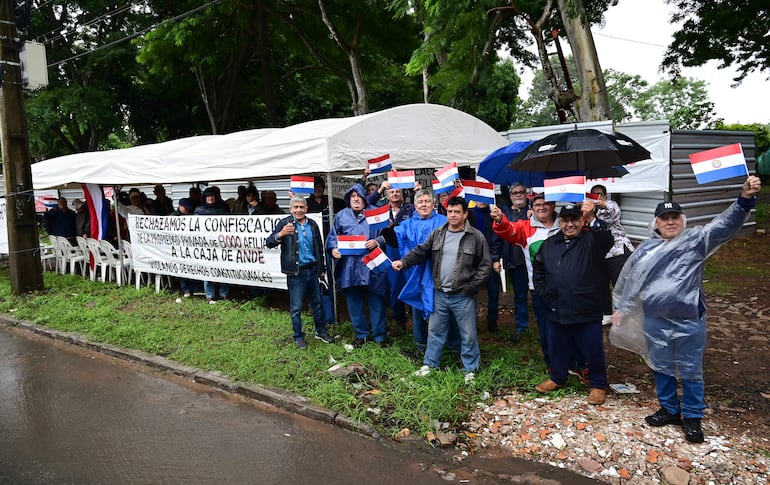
627	40
87	23
137	34
91	22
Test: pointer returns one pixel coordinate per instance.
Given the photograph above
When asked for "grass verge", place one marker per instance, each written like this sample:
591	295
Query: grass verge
252	343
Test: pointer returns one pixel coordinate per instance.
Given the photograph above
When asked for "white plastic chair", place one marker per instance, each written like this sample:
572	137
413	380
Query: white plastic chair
128	262
72	256
99	262
83	245
112	261
48	256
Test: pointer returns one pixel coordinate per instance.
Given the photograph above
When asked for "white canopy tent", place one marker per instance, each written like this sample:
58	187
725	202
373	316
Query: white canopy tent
415	136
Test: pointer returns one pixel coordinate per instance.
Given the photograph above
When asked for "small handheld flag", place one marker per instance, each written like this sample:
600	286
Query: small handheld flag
301	184
376	260
447	173
351	245
592	196
719	163
401	180
380	164
438	188
479	191
565	189
379	217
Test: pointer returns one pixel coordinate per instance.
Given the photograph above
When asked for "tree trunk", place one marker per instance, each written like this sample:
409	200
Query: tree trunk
351	50
265	62
593	104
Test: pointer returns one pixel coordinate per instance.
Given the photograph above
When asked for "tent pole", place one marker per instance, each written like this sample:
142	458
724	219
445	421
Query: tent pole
115	192
330	274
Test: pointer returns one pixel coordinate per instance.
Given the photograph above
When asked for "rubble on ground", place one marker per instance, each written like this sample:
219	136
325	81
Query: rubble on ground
611	442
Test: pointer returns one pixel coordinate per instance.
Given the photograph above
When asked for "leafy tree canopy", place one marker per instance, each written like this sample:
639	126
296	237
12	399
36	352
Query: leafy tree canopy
732	32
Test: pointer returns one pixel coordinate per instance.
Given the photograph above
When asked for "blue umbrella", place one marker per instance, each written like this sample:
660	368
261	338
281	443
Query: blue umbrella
495	168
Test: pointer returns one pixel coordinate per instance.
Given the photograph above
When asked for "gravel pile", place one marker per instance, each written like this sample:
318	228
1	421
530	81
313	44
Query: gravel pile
611	442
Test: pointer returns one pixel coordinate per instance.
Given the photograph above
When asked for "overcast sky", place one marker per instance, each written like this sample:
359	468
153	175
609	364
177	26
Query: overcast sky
633	40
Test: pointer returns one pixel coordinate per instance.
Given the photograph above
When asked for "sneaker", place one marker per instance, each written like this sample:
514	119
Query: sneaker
324	337
547	386
597	396
422	372
300	343
211	301
469	376
187	294
662	418
692	430
515	336
383	344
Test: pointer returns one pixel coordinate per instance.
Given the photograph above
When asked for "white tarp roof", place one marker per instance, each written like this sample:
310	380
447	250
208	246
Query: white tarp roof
415	136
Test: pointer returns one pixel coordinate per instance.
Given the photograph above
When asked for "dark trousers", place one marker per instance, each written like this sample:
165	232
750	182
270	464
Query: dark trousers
565	341
520	287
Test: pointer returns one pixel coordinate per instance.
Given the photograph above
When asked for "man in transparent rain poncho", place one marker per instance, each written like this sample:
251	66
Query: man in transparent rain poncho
660	309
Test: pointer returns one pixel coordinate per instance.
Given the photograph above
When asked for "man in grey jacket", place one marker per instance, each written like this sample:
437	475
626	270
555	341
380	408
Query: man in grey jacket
461	264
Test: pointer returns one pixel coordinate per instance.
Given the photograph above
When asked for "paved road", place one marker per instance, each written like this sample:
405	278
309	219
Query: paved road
73	416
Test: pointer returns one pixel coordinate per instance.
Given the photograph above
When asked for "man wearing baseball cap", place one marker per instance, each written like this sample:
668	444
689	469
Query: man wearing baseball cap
661	309
564	273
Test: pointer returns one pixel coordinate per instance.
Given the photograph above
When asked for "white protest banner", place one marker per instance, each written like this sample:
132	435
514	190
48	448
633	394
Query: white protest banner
3	228
223	248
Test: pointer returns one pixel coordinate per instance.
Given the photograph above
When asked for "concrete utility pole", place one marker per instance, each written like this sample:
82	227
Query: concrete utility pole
24	248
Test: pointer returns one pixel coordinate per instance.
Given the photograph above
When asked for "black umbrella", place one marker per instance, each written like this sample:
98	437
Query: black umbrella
595	152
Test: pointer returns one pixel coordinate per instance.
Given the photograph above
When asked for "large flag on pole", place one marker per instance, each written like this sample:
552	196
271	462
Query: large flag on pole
98	210
719	163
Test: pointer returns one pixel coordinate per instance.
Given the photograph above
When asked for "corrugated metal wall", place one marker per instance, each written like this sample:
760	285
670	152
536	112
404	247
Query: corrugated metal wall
701	203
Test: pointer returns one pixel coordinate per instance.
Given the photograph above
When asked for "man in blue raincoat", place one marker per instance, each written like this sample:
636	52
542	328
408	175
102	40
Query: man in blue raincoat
359	284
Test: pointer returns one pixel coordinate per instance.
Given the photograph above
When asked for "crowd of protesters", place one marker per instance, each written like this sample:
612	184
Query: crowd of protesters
443	251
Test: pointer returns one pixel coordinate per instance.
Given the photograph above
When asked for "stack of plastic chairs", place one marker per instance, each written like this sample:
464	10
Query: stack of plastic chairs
69	255
48	256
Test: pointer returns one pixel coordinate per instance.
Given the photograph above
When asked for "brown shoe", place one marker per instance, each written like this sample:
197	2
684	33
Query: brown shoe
547	386
597	396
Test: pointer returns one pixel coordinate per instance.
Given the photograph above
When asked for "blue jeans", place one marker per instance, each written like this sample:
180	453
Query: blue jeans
189	286
520	286
493	296
305	284
211	290
677	348
355	296
463	309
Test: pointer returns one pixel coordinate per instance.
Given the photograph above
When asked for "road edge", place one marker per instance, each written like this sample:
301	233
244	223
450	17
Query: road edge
279	398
